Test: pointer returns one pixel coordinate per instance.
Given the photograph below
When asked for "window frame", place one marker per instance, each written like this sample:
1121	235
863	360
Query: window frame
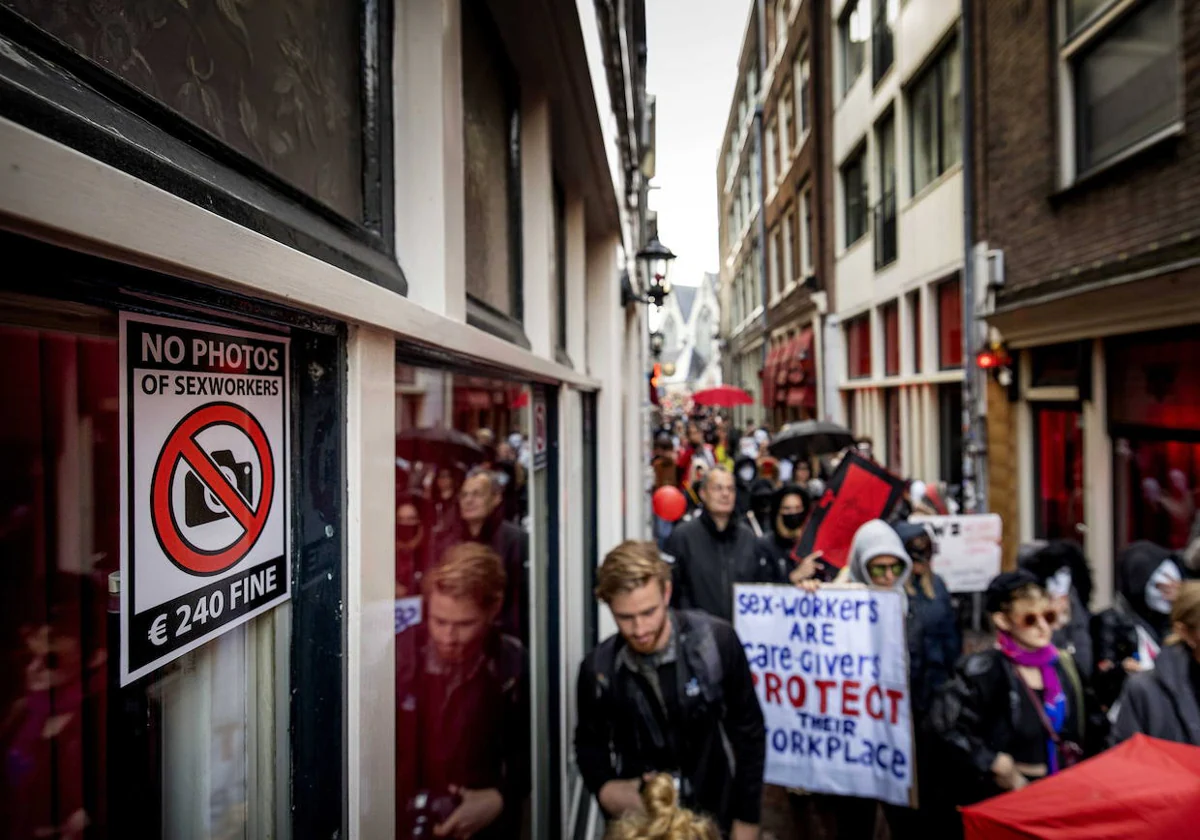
885	215
934	72
851	10
806	233
802	87
509	326
856	158
65	96
1072	47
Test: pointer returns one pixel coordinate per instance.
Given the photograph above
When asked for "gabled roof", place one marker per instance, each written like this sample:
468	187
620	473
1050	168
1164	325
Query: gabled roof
685	296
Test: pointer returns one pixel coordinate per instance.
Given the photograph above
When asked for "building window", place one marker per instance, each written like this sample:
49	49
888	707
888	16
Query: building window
785	147
914	312
883	16
858	347
854	197
1058	450
772	157
853	31
1124	80
279	83
803	118
950	424
886	239
950	321
560	264
891	411
788	123
781	25
788	229
773	268
935	127
806	233
891	339
491	148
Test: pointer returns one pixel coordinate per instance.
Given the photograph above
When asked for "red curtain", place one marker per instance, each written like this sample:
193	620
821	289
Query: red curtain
59	536
950	337
891	338
858	347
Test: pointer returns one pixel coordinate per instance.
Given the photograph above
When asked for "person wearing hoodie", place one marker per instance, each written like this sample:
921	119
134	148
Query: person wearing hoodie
1165	703
745	472
1063	572
711	552
929	601
777	548
877	560
759	515
1148	578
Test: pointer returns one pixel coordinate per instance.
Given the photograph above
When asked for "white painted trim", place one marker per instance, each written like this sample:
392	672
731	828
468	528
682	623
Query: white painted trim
1025	459
1098	483
74	200
370	589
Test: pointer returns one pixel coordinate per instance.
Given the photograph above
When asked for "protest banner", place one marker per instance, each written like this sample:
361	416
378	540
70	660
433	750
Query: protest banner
831	672
859	491
966	549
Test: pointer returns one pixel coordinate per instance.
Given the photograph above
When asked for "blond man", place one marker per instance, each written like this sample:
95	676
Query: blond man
666	694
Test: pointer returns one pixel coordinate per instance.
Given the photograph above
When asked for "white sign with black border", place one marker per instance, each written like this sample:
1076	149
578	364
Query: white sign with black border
205	520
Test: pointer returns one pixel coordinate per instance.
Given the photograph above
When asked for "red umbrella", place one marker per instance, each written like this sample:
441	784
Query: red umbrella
725	396
1144	789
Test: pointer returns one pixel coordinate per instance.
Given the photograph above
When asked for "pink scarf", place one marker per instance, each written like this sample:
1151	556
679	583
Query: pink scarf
1053	700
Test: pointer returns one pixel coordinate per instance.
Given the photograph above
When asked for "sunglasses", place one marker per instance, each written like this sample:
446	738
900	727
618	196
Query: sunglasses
880	572
1030	620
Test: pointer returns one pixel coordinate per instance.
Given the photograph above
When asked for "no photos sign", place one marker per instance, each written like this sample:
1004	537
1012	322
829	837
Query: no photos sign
204	463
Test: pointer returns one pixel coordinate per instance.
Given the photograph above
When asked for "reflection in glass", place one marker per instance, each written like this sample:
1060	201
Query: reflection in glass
462	614
189	752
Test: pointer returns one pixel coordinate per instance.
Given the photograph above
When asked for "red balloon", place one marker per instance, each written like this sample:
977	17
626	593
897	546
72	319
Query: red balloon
669	503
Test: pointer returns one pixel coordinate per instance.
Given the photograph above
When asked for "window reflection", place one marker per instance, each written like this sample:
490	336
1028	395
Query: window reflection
462	608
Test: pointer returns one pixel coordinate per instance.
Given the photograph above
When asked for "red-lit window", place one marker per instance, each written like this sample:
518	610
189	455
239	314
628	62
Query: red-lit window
1059	446
891	339
950	349
858	347
914	311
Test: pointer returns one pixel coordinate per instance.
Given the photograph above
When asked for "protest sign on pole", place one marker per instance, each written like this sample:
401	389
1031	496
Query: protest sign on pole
831	672
859	491
966	549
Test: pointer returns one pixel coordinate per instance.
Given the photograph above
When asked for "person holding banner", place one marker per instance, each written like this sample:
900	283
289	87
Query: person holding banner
671	692
777	548
877	560
1015	713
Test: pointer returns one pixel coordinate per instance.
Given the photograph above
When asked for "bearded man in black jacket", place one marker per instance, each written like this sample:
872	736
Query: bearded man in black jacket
712	552
671	692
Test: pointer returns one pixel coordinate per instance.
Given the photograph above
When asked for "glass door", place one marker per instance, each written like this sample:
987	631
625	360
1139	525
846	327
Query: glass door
1058	447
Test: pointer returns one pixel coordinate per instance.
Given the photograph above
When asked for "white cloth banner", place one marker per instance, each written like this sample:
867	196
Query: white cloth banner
966	549
831	672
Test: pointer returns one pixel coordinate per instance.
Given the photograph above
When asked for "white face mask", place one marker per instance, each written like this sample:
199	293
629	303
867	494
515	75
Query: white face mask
746	473
1167	572
1059	583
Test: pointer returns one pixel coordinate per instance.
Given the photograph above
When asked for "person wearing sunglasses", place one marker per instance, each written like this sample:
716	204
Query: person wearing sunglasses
1015	713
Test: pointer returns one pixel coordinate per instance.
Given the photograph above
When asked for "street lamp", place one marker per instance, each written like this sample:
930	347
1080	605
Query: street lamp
656	343
657	258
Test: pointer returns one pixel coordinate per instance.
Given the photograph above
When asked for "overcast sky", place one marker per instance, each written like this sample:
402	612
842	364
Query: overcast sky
692	56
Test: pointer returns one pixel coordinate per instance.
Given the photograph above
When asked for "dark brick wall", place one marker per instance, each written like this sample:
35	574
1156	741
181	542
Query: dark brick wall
1142	212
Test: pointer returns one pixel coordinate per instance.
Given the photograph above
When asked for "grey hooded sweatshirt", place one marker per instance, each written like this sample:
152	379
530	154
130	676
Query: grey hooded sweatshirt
874	539
877	539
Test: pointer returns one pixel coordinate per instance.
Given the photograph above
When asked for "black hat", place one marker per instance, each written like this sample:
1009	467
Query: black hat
1002	586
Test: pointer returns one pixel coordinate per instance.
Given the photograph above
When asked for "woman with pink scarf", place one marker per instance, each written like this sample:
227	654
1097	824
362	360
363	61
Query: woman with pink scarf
1015	713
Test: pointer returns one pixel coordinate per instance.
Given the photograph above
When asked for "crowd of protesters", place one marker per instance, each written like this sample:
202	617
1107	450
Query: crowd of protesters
1056	683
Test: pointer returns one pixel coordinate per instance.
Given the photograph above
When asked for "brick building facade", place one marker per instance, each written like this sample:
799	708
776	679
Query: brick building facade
1087	223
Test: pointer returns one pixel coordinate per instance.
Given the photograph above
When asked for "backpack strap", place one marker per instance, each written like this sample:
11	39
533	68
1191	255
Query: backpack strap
698	646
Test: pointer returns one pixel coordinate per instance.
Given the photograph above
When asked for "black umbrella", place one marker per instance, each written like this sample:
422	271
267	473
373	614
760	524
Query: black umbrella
808	438
445	447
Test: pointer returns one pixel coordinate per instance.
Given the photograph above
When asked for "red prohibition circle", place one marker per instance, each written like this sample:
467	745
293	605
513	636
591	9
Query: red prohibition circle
180	447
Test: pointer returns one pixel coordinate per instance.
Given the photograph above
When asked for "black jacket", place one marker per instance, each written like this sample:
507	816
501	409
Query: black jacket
1162	703
473	733
707	562
938	640
712	693
511	543
975	714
